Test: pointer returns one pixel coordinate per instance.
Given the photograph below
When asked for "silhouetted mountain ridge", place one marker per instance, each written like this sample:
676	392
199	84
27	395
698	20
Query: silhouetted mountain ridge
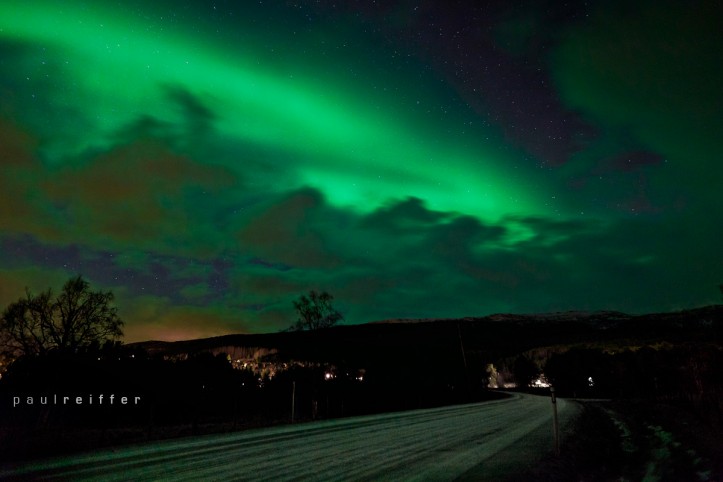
495	334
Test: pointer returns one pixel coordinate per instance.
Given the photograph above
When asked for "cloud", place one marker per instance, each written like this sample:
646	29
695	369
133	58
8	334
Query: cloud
402	260
140	195
403	216
22	208
648	70
294	230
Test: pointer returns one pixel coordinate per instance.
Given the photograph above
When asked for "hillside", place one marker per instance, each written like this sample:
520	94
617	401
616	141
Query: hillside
496	335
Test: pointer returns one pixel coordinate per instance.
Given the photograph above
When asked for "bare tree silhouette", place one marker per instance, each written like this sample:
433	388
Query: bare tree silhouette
78	317
315	312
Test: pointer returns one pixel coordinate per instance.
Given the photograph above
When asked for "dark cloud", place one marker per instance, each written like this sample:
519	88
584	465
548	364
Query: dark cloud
198	115
408	215
139	193
455	265
294	231
190	131
22	208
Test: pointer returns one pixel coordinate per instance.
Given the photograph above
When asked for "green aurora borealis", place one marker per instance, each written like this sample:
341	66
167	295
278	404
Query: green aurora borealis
209	162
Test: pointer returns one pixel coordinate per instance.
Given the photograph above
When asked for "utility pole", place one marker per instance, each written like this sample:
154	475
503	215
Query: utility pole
461	346
464	359
293	401
555	425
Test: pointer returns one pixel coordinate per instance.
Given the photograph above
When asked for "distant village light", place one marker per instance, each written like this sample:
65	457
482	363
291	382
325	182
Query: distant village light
540	382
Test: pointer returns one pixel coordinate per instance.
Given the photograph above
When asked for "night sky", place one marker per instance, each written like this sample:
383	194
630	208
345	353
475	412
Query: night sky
210	162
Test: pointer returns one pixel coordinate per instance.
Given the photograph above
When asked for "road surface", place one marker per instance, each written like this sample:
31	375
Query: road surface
473	442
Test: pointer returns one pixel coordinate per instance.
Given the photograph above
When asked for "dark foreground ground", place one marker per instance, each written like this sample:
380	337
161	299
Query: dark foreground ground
31	440
602	441
470	442
635	441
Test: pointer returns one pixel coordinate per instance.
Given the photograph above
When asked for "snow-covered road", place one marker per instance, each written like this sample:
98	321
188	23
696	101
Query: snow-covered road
437	444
